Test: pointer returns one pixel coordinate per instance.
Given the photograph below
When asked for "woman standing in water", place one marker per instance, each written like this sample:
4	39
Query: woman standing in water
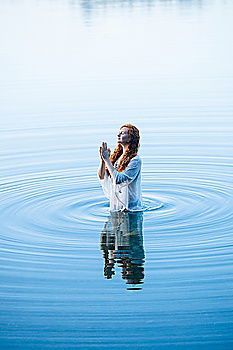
120	172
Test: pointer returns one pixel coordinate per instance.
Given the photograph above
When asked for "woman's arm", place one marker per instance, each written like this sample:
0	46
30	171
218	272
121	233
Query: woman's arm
109	166
101	170
128	174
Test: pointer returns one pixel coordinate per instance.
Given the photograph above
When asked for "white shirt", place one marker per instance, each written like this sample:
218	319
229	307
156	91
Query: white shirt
124	189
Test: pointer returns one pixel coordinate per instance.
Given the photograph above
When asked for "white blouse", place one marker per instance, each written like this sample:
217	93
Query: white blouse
124	189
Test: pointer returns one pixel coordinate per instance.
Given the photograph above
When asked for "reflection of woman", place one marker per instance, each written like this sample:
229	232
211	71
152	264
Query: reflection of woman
120	173
122	243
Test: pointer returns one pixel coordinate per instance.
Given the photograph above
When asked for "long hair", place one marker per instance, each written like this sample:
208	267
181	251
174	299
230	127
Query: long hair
131	152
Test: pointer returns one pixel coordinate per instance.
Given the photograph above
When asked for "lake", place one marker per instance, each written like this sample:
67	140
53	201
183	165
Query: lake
73	275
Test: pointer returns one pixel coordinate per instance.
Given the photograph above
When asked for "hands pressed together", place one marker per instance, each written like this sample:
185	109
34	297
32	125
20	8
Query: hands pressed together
104	152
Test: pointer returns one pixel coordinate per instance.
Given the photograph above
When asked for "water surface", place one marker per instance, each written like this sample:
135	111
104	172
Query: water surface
73	275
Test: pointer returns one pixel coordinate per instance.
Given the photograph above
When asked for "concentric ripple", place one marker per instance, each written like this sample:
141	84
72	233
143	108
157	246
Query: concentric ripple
51	208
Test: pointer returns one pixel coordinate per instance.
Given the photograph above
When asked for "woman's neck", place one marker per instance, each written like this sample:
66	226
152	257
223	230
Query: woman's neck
125	147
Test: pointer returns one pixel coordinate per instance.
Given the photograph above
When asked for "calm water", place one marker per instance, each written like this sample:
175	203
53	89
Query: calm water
72	275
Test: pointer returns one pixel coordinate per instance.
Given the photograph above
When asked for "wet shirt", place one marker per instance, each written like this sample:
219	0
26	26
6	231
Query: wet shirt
124	189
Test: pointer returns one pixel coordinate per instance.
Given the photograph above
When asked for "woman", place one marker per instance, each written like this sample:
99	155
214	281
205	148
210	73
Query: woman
120	173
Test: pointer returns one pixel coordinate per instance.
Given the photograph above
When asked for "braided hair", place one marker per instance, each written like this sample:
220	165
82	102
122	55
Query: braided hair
129	153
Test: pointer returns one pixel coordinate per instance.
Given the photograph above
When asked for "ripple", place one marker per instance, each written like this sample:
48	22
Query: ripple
53	211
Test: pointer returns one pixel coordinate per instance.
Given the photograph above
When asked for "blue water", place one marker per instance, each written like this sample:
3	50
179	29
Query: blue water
72	275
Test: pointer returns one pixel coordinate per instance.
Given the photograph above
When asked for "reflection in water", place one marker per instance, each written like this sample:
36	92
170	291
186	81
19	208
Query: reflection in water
122	243
90	7
91	4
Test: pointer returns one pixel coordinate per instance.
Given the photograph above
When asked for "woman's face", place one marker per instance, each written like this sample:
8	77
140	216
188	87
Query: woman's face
123	136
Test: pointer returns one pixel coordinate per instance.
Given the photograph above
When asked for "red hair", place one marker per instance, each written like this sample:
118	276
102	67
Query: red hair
130	152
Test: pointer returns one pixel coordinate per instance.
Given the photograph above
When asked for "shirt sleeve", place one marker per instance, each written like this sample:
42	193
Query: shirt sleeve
106	184
130	173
